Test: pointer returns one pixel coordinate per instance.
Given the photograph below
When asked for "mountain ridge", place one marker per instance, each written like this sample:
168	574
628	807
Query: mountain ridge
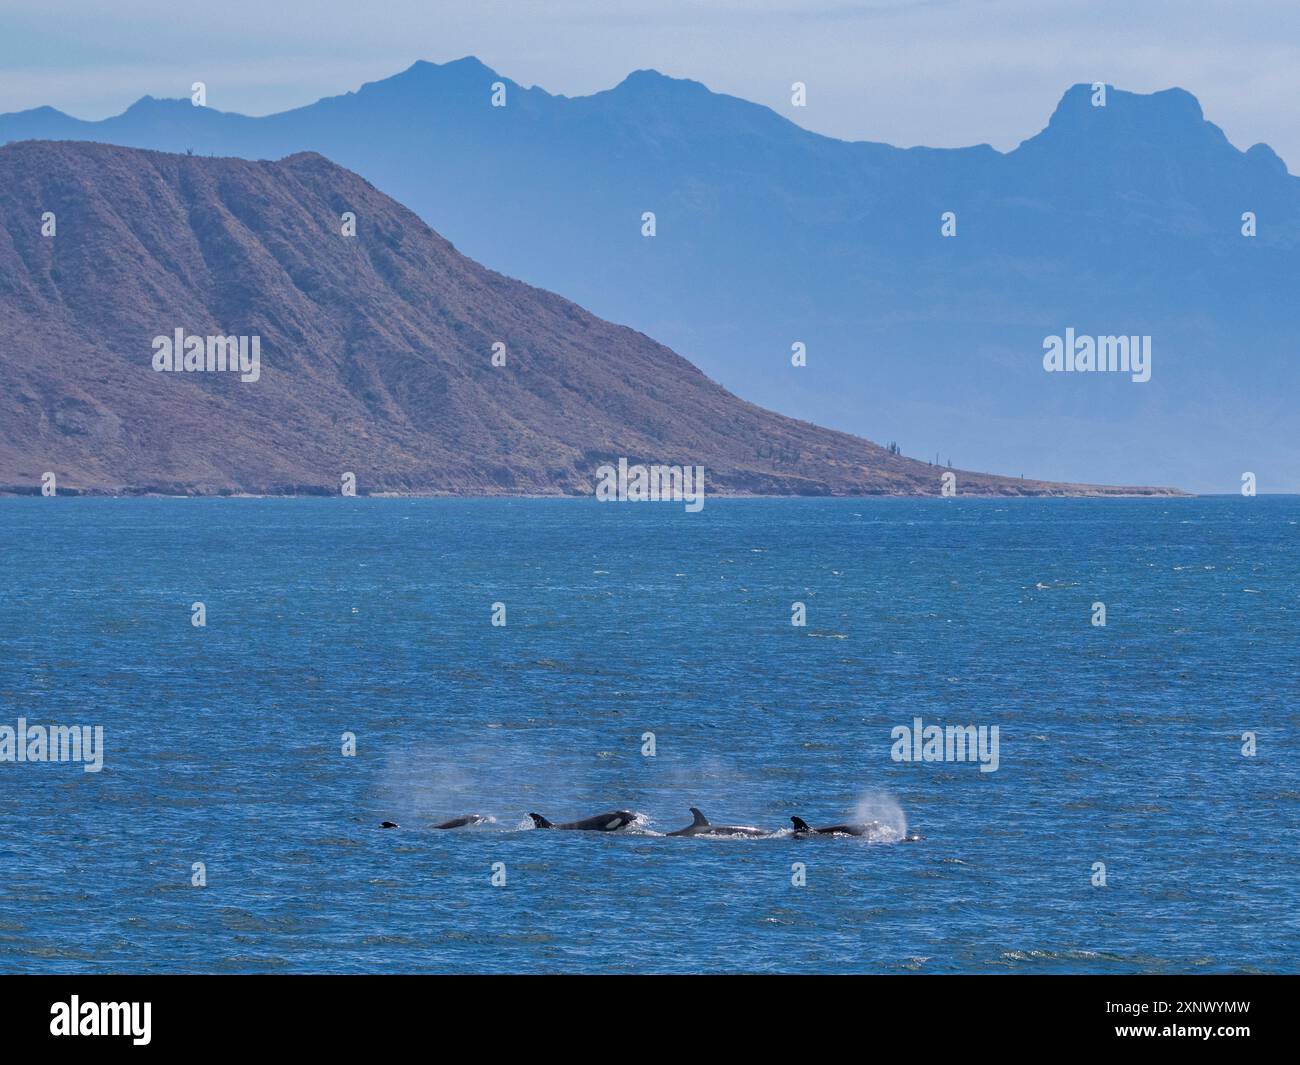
472	67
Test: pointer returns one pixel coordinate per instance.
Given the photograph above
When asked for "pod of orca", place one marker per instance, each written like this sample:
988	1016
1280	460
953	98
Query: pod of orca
699	826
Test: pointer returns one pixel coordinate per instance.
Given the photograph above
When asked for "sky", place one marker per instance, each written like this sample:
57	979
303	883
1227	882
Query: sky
943	73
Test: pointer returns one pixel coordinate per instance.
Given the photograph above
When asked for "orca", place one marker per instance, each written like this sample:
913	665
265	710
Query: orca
701	827
389	824
463	822
610	822
802	829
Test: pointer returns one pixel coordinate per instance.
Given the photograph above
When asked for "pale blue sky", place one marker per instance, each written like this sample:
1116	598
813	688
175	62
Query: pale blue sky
937	72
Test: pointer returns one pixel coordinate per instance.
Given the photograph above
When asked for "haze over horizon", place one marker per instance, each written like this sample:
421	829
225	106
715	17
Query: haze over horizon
938	73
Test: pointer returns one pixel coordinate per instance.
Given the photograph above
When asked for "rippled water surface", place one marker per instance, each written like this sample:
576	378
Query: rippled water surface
1120	745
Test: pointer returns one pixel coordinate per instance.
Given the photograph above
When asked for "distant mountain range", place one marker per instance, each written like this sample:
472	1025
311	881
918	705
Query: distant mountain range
1117	220
374	351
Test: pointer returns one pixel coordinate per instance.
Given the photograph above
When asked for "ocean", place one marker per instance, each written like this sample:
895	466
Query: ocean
1142	815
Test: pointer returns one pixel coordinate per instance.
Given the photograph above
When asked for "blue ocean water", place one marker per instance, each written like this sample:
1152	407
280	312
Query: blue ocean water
223	744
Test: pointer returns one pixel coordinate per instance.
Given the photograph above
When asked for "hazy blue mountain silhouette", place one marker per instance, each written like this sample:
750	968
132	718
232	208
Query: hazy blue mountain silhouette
1117	220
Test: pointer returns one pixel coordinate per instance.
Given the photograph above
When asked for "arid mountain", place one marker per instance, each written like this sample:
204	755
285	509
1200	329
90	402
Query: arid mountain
375	351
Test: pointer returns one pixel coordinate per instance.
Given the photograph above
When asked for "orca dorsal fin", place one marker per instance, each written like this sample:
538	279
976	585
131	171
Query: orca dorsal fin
540	822
700	820
800	825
